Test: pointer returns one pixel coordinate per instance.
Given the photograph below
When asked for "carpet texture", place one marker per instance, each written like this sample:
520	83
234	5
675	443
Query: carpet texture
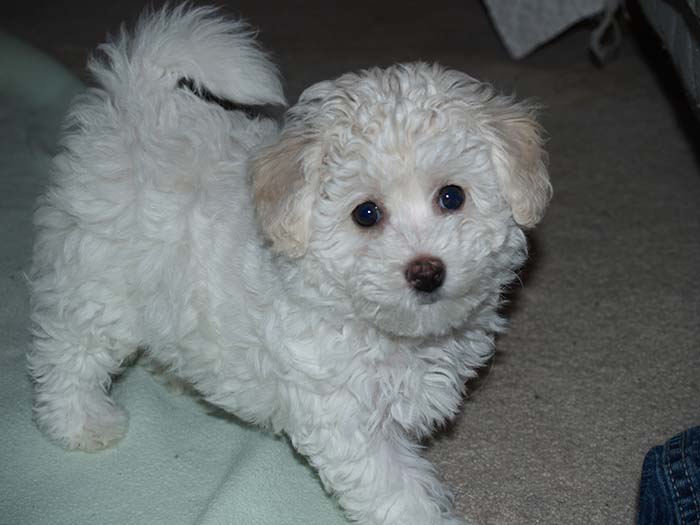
602	360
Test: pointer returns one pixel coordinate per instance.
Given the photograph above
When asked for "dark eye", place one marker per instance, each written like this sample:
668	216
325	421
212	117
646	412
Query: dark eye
366	214
451	198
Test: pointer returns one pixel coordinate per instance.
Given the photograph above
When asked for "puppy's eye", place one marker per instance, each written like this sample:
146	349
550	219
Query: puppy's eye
451	198
366	214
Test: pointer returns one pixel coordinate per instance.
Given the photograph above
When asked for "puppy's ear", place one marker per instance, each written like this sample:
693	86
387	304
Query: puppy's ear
520	160
287	175
283	196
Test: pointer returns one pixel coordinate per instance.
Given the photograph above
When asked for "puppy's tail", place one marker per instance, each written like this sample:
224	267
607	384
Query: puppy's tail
194	44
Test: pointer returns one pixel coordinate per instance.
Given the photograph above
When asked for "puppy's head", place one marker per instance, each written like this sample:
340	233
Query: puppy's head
405	191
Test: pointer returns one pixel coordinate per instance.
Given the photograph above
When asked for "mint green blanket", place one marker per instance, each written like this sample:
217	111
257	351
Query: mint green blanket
181	462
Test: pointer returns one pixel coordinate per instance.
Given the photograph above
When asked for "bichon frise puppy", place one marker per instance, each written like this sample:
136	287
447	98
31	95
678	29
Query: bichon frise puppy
336	280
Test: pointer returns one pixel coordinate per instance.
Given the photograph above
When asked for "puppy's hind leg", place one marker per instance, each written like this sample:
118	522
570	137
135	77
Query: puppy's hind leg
72	380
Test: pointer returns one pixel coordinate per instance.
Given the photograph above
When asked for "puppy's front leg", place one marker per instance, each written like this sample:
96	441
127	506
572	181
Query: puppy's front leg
377	474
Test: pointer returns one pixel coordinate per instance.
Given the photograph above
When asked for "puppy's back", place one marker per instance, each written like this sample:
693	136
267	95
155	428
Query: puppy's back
144	163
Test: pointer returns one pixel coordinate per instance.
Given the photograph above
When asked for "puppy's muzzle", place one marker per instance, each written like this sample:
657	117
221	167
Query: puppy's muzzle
425	274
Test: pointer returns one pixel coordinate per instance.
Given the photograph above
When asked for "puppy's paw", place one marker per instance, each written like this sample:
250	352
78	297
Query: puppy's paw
99	432
454	520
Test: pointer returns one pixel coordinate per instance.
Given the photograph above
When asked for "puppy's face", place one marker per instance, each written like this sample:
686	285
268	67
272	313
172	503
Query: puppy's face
404	190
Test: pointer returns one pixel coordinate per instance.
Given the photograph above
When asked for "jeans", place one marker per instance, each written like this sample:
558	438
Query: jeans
669	491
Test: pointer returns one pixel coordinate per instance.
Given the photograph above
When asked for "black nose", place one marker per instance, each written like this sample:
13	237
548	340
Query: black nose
425	274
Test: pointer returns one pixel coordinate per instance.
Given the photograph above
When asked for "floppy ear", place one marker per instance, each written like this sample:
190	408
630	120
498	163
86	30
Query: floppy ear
520	160
287	175
282	194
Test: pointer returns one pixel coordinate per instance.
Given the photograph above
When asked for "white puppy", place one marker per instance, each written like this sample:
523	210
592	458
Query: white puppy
337	280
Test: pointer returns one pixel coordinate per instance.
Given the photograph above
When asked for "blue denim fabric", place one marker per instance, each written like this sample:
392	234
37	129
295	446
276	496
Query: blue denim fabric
669	492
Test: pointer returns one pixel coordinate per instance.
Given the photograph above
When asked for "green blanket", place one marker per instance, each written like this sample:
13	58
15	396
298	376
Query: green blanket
181	462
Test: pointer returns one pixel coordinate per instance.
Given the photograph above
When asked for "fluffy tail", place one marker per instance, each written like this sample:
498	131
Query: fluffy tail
214	54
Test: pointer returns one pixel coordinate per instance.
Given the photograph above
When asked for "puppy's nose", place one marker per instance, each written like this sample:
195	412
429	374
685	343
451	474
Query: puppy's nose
425	274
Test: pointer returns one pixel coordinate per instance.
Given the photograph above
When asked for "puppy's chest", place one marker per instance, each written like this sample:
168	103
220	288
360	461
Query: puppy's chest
415	387
412	382
404	369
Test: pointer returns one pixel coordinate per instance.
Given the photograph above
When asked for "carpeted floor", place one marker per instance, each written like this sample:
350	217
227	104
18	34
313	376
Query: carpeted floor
603	357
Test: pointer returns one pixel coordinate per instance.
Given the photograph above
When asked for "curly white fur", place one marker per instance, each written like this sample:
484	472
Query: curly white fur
225	247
